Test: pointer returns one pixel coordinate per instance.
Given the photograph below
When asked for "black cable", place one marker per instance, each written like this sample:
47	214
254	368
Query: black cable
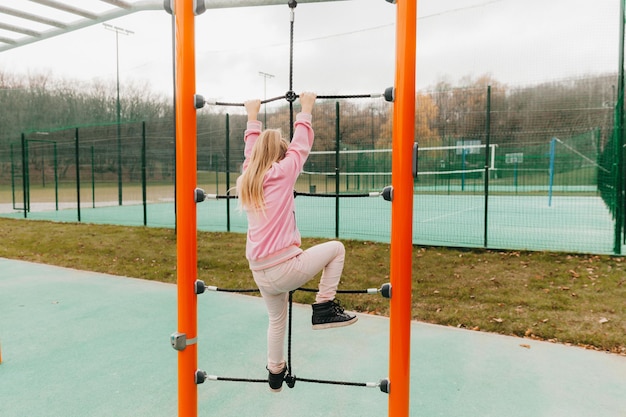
226	197
222	378
237	289
331	195
269	100
290	94
324	381
243	290
317	381
296	194
338	291
290	378
348	96
294	96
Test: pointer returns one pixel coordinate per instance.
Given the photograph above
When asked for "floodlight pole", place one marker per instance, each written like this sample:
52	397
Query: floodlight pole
265	76
620	199
127	32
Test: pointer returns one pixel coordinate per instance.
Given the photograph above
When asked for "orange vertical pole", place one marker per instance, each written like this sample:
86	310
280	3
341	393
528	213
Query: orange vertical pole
402	210
186	242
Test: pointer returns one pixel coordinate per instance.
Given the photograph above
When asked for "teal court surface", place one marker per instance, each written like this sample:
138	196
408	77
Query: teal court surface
82	344
567	223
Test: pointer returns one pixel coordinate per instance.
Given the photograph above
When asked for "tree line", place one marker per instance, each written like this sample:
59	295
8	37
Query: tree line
445	114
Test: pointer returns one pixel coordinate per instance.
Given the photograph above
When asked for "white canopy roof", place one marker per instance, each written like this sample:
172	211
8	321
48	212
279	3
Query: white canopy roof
27	21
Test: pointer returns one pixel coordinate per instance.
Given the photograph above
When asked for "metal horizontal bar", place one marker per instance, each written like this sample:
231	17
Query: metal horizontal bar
7	40
18	29
32	17
119	3
65	28
222	4
66	8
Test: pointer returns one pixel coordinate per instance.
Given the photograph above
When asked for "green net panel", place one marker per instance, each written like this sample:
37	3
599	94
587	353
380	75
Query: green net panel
519	168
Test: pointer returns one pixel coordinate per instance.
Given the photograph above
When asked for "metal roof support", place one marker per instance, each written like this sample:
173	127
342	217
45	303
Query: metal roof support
66	8
124	8
220	4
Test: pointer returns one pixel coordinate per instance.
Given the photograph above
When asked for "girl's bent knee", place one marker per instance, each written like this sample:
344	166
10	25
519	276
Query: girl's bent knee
340	248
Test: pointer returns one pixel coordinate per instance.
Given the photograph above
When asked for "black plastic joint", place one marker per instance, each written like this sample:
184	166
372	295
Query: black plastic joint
390	94
415	159
199	286
385	290
198	101
291	96
388	193
290	380
385	385
200	376
293	4
199	195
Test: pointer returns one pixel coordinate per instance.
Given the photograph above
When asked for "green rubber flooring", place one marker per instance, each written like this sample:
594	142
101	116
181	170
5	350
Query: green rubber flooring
82	344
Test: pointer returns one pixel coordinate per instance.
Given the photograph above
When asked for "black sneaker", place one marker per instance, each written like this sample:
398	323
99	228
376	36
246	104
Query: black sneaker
276	380
330	314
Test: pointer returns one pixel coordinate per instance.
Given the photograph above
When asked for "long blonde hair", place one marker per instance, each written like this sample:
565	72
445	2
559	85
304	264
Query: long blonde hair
270	147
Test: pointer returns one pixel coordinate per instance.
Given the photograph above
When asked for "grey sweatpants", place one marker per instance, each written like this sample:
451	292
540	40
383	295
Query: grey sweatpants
276	282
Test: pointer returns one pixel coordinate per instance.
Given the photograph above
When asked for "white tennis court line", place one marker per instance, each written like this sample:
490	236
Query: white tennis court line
451	214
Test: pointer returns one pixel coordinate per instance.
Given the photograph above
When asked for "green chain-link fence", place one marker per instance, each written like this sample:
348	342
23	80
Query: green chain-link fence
525	168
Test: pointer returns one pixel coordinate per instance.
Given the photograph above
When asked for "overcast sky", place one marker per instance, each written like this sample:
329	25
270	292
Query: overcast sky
343	47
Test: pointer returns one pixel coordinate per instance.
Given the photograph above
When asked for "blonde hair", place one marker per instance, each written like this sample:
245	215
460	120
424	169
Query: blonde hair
270	147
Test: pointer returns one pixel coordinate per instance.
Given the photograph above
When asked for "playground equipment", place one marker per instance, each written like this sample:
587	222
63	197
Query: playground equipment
403	164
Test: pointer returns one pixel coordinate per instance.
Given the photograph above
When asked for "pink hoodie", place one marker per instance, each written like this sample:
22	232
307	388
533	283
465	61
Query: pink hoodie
273	236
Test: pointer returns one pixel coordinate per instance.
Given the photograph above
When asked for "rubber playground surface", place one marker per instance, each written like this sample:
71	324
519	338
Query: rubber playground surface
78	343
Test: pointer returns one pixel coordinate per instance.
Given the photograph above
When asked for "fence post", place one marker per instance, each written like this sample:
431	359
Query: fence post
12	175
487	160
227	171
25	176
143	173
551	170
619	142
77	156
93	178
337	167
